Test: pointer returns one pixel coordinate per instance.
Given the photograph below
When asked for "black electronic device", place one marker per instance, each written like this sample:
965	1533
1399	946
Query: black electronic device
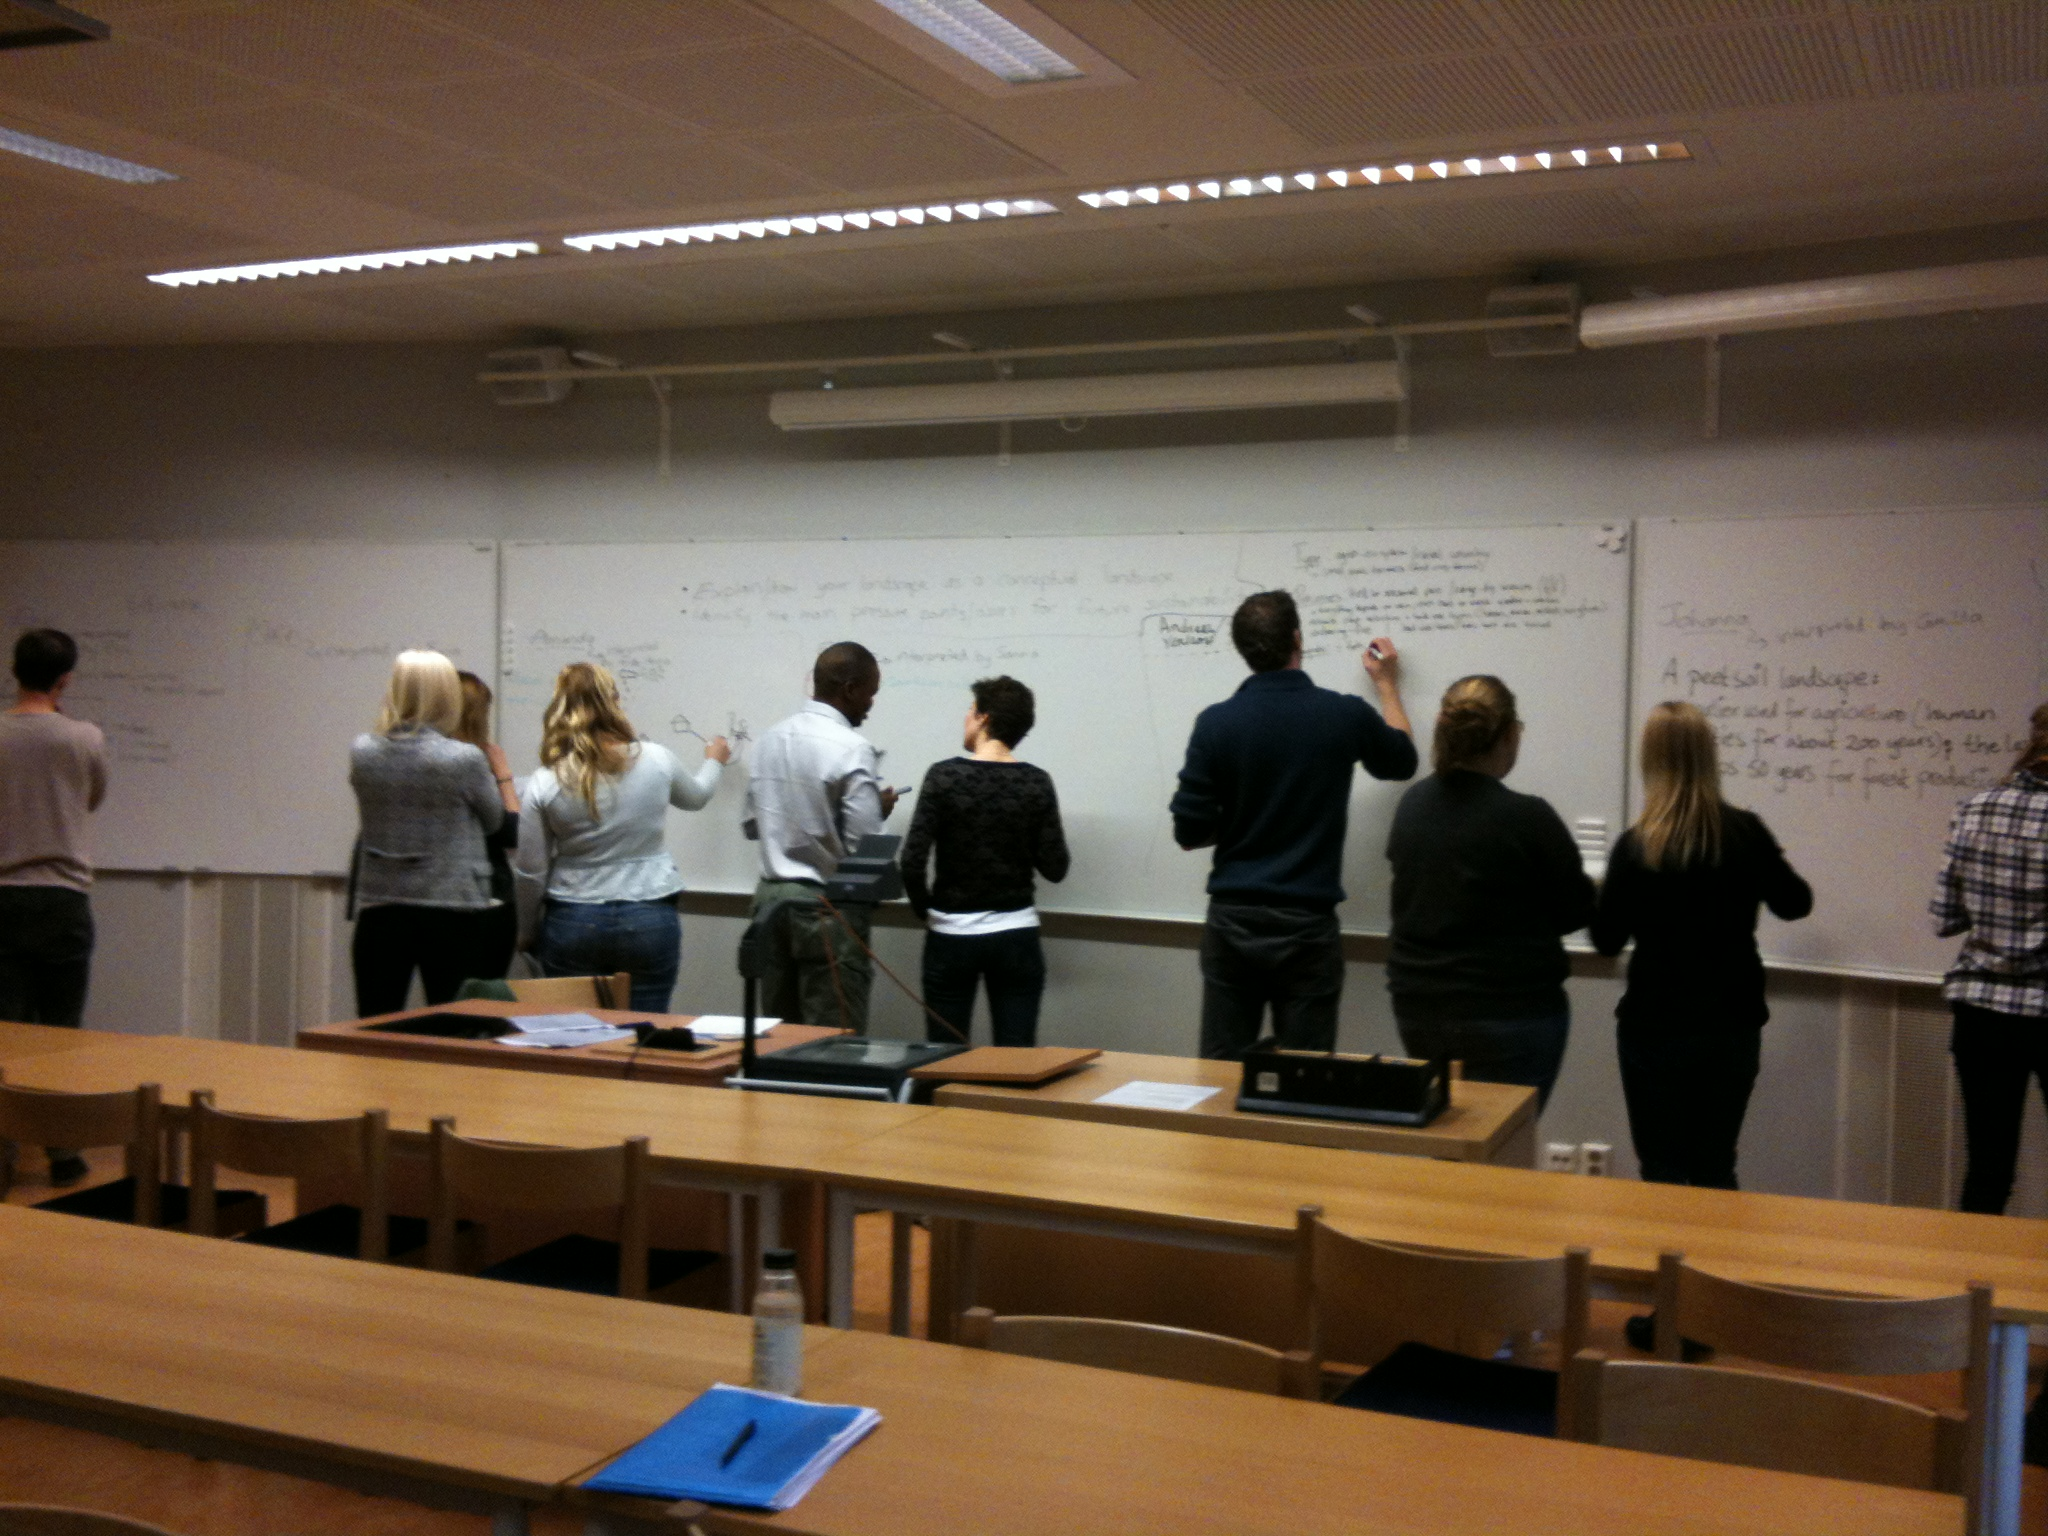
1381	1090
445	1026
868	874
674	1037
853	1061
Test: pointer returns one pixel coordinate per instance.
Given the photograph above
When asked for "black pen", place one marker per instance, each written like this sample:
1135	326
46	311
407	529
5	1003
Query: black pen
738	1443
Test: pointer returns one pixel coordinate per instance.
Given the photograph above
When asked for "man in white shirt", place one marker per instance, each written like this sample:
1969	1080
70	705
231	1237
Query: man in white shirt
814	792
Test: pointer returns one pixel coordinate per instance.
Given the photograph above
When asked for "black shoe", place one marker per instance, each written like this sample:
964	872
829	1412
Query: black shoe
1641	1333
68	1170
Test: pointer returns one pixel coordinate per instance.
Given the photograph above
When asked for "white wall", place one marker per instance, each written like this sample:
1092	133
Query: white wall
379	442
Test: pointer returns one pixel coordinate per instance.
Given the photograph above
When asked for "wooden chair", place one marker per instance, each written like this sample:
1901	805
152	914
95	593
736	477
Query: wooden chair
1145	1349
1842	1335
352	1151
131	1119
50	1520
518	1178
614	991
1778	1423
1452	1311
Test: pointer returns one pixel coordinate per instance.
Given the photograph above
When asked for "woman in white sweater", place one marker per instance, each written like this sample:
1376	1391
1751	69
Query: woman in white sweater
597	888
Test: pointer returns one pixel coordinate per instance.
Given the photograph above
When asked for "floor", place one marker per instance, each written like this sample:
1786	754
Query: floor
40	1463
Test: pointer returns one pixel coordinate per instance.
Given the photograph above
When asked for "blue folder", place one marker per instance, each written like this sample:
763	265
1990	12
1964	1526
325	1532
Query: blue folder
792	1445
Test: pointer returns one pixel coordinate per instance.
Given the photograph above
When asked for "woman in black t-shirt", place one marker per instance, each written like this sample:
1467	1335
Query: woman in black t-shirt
993	821
1685	883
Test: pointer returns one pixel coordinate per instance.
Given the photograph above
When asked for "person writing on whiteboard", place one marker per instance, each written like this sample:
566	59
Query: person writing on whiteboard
813	793
1267	784
992	821
421	886
1685	883
1487	883
597	887
53	775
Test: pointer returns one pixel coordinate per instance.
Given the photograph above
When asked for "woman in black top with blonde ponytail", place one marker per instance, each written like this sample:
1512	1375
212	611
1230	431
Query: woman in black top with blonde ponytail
1685	883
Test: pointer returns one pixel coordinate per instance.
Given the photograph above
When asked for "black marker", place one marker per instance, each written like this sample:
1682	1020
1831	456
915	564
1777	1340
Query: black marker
738	1443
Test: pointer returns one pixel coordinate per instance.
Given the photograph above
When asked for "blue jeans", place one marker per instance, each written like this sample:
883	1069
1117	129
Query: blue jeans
1526	1051
596	938
1011	964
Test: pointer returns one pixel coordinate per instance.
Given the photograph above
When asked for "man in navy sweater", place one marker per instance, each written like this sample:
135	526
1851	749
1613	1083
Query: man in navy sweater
1267	784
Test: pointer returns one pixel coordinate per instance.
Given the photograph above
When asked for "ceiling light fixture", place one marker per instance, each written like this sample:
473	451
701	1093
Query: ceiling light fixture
369	261
979	34
75	159
784	225
1520	162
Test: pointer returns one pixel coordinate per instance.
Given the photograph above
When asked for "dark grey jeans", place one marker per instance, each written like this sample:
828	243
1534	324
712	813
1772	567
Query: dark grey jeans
1286	959
45	954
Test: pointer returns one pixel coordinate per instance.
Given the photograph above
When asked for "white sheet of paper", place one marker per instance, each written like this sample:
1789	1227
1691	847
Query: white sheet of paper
727	1026
559	1031
1143	1095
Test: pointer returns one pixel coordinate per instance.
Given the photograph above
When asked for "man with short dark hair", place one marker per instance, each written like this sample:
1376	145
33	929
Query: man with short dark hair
814	791
1267	784
53	774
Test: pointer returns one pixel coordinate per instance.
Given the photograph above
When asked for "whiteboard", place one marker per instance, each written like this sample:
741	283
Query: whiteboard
1124	639
1865	674
230	679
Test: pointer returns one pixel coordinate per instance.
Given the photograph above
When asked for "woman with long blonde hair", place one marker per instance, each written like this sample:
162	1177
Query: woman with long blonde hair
597	887
421	885
1685	883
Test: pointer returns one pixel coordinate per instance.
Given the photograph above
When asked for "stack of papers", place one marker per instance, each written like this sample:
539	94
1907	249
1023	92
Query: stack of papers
558	1031
727	1026
709	1452
1143	1095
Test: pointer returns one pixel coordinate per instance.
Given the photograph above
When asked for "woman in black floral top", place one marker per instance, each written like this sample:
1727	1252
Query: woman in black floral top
993	822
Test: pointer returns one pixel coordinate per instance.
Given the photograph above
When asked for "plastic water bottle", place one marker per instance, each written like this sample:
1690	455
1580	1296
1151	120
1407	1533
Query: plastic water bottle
779	1325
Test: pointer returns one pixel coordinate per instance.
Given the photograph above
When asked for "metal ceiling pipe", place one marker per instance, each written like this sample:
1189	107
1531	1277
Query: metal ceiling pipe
1824	301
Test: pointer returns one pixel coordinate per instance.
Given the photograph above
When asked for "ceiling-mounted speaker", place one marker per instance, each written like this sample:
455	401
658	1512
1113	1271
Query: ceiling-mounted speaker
530	391
1557	302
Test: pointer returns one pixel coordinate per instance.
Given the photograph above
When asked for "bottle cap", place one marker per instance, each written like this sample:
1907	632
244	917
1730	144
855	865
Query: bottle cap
779	1258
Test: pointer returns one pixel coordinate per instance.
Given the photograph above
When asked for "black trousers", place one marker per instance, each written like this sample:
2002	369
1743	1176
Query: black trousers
1995	1054
1287	959
447	947
46	939
1687	1090
1011	965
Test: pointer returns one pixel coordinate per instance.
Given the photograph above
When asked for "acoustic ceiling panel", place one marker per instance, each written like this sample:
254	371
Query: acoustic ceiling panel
476	192
1962	47
569	30
670	179
1071	256
44	226
1563	20
525	115
678	288
1239	38
125	83
751	84
1773	64
909	152
1404	102
951	266
1545	224
446	308
310	139
320	44
1366	236
565	298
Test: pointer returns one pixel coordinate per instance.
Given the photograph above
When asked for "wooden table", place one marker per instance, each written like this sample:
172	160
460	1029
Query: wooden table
18	1040
707	1067
1486	1123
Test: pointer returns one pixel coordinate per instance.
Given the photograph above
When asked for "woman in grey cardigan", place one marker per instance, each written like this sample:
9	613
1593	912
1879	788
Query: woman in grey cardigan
422	882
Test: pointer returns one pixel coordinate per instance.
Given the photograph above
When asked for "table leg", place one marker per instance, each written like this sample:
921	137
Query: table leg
736	1253
839	1259
900	1228
1998	1513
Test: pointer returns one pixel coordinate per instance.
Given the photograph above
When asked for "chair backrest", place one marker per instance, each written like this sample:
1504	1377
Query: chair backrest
1778	1423
613	991
50	1520
540	1179
354	1149
49	1117
1145	1349
1450	1298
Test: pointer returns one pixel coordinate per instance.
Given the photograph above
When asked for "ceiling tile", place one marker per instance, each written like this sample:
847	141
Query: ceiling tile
568	30
527	114
670	180
752	86
942	266
1560	20
308	139
1257	37
126	83
1436	99
901	152
1962	47
422	307
571	299
1723	70
1361	234
1542	224
474	193
1062	256
679	287
322	44
45	226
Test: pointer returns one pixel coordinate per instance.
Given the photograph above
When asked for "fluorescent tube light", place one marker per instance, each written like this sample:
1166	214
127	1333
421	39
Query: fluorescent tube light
1137	394
369	261
784	226
75	159
979	34
1518	162
1825	301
